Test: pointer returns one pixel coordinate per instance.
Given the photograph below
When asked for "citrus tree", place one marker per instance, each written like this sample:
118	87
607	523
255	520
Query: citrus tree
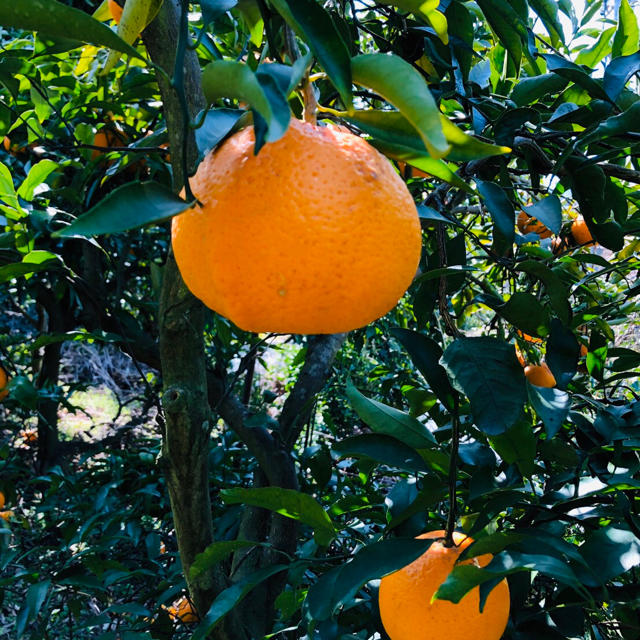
205	185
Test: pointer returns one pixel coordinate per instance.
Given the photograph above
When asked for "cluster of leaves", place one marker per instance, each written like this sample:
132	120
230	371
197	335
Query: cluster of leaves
504	108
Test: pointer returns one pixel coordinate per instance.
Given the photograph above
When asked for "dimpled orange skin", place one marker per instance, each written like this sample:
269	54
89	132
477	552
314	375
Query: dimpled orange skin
4	378
540	375
315	234
405	599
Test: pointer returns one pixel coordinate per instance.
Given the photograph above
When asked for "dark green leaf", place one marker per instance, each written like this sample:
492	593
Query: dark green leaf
611	551
521	310
309	20
549	211
551	405
517	446
216	125
53	18
229	79
547	11
287	502
508	26
425	354
216	553
487	371
618	72
403	87
212	9
562	353
576	74
390	421
127	207
231	596
500	208
338	586
556	290
383	449
529	90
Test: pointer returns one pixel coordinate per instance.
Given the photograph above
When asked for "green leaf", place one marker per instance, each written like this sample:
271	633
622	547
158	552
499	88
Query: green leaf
517	446
611	551
576	74
22	390
36	595
598	50
384	450
212	9
216	553
528	90
618	72
127	207
390	421
216	125
526	313
338	586
465	147
229	79
562	353
625	41
626	122
425	354
309	20
289	503
487	371
551	405
493	543
500	208
403	87
231	596
547	11
37	175
508	27
548	211
55	19
556	290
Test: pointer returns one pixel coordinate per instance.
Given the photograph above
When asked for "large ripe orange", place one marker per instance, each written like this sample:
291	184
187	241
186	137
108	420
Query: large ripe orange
540	375
315	234
580	231
4	378
115	10
408	613
527	224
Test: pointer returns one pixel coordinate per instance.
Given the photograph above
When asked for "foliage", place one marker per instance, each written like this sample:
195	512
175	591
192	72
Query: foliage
487	108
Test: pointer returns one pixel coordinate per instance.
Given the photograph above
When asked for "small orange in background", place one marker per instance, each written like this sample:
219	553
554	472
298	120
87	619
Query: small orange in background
519	355
408	612
1	500
528	224
4	379
6	515
527	338
316	234
580	232
583	350
183	610
415	173
540	375
115	10
107	138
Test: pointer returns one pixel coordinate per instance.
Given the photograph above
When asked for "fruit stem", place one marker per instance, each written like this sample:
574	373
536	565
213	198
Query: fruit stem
308	96
453	468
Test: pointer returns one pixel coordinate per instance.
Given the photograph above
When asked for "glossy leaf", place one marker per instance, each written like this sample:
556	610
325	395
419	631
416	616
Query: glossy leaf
500	208
576	74
390	421
130	206
555	288
403	87
528	90
228	79
287	502
548	211
618	72
562	353
52	18
215	553
611	551
38	173
507	25
487	371
213	9
384	450
340	585
312	22
216	125
517	446
625	41
547	11
552	406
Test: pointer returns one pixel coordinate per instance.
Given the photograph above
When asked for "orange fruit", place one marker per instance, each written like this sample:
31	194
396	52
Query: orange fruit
315	234
580	231
183	610
107	138
527	224
1	500
4	378
527	338
29	435
540	375
583	350
408	613
415	173
115	10
5	515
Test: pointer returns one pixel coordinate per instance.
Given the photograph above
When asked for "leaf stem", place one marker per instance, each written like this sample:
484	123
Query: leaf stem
453	477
